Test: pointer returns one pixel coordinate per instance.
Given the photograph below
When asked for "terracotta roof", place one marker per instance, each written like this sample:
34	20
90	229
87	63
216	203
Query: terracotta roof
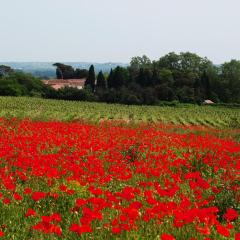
61	83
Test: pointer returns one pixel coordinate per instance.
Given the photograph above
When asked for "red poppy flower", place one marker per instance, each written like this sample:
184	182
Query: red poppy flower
116	230
17	197
167	237
30	212
80	229
231	214
223	230
6	201
237	236
27	191
36	196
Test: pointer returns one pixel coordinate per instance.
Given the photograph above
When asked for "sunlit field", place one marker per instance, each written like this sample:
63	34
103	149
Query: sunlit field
45	110
111	181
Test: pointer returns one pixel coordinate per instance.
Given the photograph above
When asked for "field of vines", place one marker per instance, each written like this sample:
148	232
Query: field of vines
78	170
45	110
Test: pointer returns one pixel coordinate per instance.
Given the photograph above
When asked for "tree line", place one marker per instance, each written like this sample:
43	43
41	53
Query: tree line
184	77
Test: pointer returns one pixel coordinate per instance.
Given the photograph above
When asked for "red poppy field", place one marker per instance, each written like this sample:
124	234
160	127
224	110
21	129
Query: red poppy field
115	181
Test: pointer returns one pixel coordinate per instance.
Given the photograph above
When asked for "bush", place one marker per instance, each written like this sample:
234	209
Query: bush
132	99
69	93
10	88
169	104
21	84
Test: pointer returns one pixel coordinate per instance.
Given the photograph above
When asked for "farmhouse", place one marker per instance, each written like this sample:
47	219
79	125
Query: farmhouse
61	83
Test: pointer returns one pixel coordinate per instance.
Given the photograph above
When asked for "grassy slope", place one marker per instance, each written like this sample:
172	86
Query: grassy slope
41	109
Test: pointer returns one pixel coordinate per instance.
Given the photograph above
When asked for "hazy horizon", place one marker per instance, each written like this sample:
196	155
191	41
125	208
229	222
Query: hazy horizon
106	31
62	62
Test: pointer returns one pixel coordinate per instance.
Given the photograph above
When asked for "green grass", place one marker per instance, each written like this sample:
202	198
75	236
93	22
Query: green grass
45	110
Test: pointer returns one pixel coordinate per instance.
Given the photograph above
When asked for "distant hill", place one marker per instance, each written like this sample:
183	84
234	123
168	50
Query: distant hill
46	70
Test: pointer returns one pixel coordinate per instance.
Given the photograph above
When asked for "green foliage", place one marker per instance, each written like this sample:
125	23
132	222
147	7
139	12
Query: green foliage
144	77
69	93
231	81
235	122
132	153
101	81
21	84
90	82
184	77
80	73
186	94
117	78
167	112
10	88
140	62
165	93
64	71
227	198
4	70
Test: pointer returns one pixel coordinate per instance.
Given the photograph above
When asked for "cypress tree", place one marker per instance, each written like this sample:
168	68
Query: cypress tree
110	82
118	78
90	81
101	82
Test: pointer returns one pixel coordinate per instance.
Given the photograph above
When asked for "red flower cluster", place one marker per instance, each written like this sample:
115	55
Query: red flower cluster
48	226
119	179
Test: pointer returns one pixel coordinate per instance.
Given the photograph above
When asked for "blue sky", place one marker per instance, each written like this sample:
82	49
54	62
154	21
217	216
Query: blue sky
110	30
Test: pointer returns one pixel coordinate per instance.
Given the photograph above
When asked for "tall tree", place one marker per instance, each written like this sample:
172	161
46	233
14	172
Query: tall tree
206	85
90	82
80	73
154	78
169	61
140	62
144	77
166	77
110	79
118	77
230	79
64	71
101	81
5	70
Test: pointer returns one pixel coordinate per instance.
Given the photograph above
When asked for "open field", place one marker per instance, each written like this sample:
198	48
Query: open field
40	109
79	170
81	181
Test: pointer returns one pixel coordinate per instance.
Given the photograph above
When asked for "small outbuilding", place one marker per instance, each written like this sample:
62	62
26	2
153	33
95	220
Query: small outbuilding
208	102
